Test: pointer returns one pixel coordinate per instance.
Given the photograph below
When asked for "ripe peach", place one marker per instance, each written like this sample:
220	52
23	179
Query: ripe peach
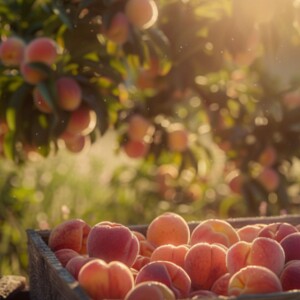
167	273
248	233
146	248
205	263
168	252
82	121
64	255
269	179
290	245
78	143
177	139
277	231
40	102
112	241
103	280
31	74
214	231
262	251
141	13
203	294
220	286
69	93
70	234
41	49
290	275
138	127
12	51
135	149
118	30
75	264
168	228
253	280
236	182
140	262
150	290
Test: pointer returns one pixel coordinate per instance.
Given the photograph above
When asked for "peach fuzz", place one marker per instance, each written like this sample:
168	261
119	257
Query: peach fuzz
150	290
177	138
64	255
254	280
135	149
12	51
39	101
69	93
261	252
168	228
214	231
220	286
167	273
205	263
175	254
118	30
32	74
41	49
248	233
141	13
290	276
138	127
290	245
70	234
112	241
103	280
277	231
82	121
75	264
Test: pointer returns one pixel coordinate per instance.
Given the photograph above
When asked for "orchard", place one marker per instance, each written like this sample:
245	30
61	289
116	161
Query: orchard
201	97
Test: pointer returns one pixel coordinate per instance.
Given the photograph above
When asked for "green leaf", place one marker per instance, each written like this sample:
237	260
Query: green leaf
9	145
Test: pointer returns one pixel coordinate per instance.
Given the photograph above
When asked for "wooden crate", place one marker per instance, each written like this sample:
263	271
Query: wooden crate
50	281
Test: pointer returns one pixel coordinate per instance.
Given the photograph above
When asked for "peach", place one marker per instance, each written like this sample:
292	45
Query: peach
175	254
141	13
138	128
269	179
290	275
74	265
168	228
167	273
78	143
69	93
268	156
103	280
150	290
262	251
40	102
82	121
290	245
203	294
12	51
205	263
112	241
70	234
118	30
236	182
177	138
214	231
248	233
135	149
140	262
64	255
41	49
31	74
254	280
220	286
277	231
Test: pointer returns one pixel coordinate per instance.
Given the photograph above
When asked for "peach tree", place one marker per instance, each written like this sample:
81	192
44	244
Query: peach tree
176	80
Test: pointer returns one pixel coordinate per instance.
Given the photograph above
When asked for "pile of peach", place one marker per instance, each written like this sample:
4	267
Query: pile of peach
111	261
